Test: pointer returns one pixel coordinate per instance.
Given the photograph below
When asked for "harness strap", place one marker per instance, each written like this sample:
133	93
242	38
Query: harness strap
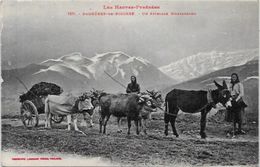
210	99
209	96
167	110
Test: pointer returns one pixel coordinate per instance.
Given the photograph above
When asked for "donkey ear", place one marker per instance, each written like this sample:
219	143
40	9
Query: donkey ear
224	84
218	85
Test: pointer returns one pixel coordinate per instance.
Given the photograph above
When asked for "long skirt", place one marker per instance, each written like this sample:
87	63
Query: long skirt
238	115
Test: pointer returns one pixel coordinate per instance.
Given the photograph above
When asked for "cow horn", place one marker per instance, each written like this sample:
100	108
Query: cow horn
141	99
145	97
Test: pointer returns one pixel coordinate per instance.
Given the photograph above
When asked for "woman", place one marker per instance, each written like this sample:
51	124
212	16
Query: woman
238	105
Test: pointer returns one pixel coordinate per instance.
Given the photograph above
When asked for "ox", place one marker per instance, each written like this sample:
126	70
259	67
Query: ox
122	105
190	101
67	106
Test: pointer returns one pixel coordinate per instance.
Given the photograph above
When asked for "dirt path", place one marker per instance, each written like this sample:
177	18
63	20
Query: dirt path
151	149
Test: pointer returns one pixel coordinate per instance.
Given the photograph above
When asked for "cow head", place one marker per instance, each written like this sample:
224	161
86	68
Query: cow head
147	101
223	94
156	97
95	94
152	99
85	102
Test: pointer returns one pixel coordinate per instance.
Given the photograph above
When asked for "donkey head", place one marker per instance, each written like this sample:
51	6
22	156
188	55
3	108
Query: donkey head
223	94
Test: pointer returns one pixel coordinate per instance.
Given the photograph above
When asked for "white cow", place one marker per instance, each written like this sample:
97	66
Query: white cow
67	106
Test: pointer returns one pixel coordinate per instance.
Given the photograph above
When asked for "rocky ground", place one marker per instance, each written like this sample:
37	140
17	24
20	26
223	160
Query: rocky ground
151	149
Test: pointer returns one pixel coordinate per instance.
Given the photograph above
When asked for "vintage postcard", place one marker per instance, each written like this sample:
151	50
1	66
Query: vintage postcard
129	83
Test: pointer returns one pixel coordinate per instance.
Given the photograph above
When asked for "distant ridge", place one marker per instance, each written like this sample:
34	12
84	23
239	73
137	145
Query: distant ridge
207	62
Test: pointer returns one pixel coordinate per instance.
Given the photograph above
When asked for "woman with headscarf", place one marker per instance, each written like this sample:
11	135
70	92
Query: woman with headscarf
133	87
238	105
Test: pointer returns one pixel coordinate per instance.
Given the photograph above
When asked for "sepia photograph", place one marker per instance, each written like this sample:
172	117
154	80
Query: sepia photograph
129	83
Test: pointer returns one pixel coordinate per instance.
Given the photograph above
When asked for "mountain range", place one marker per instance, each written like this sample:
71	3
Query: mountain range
77	72
204	63
74	72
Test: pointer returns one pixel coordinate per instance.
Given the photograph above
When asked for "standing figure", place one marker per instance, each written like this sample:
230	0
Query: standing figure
236	89
133	87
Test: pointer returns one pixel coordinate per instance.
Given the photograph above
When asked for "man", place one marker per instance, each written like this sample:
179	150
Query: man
133	87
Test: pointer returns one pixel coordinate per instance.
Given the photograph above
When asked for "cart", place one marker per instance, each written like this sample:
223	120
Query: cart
33	105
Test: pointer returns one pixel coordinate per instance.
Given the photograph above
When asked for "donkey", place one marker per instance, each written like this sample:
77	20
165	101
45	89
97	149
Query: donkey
190	101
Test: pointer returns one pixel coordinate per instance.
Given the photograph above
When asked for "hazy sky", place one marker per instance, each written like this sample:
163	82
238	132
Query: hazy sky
35	31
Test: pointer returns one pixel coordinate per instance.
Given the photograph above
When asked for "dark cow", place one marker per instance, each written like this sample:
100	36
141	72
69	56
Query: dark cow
152	101
190	101
122	105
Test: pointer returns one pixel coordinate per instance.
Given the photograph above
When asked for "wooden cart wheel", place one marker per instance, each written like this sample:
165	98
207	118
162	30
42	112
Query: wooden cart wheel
57	118
29	114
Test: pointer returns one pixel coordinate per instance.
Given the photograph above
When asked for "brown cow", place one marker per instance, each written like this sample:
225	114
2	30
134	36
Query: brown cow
123	105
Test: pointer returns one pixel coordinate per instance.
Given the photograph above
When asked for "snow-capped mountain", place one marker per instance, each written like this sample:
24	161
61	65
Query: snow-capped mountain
117	64
204	63
77	72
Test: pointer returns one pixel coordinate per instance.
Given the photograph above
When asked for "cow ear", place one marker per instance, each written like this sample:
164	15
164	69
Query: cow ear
218	85
224	84
158	96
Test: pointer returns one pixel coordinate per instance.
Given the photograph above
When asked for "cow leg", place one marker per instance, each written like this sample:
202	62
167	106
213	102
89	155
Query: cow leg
173	126
166	121
141	124
136	126
105	124
69	122
75	120
203	124
46	119
129	125
49	120
119	130
84	119
91	113
145	126
101	120
91	121
47	113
